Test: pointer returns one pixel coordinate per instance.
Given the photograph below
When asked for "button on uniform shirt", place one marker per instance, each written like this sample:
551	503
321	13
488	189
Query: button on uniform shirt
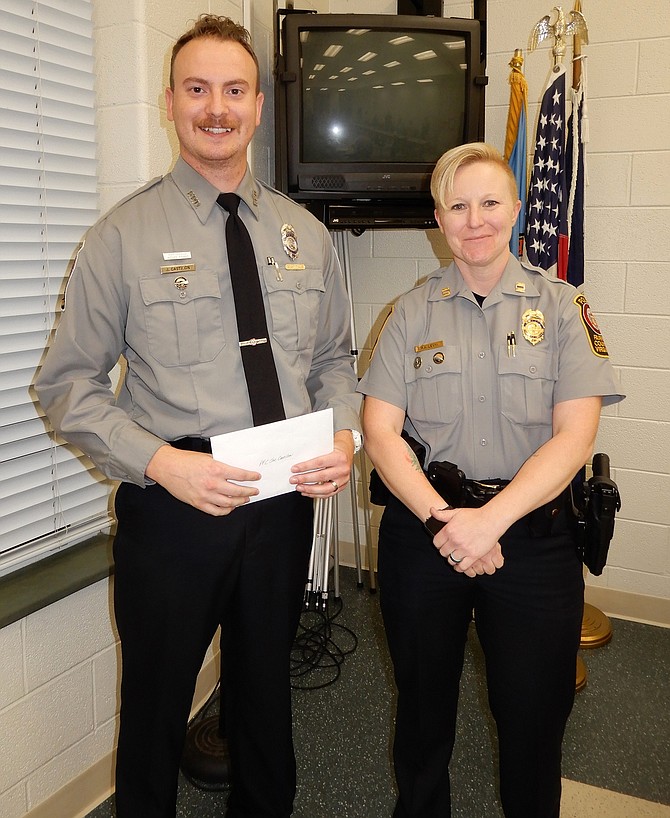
152	284
477	392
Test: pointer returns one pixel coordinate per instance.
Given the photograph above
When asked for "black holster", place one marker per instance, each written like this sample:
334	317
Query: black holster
449	482
595	513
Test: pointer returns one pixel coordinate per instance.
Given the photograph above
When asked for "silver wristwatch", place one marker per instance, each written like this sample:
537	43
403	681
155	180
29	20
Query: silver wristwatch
358	440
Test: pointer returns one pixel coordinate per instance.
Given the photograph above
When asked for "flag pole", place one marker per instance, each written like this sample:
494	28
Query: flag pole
515	145
577	53
575	151
516	78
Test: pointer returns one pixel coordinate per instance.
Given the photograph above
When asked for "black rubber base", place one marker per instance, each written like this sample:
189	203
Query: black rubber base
205	759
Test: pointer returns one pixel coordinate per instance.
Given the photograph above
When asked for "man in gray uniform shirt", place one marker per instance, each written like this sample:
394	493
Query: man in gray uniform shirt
501	370
152	284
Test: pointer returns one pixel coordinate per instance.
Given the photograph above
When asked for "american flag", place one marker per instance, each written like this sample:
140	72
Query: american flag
546	214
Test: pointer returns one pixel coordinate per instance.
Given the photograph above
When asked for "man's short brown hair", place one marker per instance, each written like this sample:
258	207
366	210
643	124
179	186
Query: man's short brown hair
219	28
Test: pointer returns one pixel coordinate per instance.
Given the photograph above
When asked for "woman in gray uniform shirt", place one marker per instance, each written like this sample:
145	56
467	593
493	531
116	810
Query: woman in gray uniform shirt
500	369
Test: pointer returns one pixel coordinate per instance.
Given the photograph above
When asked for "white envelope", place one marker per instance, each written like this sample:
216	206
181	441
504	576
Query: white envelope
273	448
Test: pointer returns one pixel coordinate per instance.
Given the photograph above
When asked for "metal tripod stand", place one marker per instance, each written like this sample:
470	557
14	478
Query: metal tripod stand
342	248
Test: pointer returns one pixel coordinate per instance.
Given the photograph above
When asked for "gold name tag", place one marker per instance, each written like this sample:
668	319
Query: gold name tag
294	266
178	268
434	345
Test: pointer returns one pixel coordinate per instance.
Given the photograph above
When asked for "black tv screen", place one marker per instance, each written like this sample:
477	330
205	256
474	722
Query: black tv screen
365	105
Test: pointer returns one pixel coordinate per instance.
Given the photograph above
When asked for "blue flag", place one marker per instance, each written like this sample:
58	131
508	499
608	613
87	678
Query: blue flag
515	146
517	162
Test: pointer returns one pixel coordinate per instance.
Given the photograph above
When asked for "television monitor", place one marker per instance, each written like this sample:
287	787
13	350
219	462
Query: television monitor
365	105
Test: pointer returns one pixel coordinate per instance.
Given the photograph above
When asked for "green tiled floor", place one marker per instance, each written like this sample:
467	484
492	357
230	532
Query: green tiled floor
618	737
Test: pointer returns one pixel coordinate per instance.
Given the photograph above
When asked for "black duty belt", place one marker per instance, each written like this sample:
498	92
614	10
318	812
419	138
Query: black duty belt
193	444
477	493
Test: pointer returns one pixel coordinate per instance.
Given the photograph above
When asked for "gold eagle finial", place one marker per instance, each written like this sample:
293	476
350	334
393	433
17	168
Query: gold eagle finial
572	26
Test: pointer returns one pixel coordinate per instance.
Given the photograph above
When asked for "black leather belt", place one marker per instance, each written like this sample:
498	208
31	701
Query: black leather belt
193	444
478	492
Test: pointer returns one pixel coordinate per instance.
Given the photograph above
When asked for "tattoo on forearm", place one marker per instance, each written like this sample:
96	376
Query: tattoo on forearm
413	459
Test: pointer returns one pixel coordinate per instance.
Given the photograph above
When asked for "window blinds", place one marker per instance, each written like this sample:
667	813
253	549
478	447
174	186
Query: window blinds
50	494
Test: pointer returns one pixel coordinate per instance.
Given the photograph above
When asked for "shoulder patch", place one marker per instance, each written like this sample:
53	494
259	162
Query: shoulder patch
595	338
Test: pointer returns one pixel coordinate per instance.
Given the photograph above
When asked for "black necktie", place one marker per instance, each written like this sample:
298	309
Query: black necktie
257	358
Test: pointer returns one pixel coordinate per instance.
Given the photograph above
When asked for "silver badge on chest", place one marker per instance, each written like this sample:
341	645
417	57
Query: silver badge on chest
290	241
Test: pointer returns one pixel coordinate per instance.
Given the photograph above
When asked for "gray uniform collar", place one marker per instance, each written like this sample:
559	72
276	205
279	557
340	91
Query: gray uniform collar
515	280
202	196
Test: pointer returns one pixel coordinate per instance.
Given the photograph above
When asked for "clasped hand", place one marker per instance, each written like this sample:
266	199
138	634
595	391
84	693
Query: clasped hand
469	539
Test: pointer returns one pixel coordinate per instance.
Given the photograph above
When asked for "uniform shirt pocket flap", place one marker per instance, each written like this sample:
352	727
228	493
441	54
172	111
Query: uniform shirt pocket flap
179	288
182	318
297	282
531	363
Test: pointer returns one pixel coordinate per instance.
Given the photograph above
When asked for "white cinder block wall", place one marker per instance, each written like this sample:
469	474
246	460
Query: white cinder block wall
59	674
58	699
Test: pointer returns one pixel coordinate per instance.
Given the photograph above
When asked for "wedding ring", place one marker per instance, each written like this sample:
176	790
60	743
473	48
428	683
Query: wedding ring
452	559
335	486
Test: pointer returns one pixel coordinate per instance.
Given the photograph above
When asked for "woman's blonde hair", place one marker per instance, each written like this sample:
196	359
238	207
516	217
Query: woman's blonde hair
442	180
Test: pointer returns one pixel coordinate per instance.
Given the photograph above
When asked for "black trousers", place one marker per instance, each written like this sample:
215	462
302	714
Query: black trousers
528	617
179	574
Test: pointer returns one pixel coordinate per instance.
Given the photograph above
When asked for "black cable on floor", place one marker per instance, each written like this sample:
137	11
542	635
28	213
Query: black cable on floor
316	658
314	649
